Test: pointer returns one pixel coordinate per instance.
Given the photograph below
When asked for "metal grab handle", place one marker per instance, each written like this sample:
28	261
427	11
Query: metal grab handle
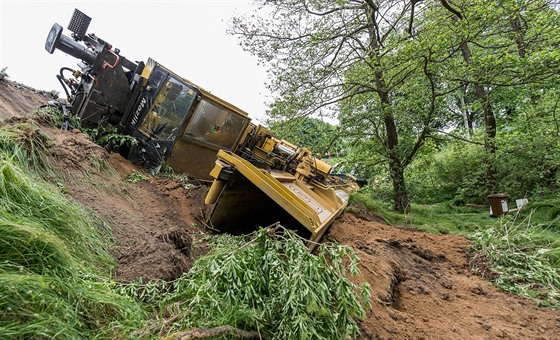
106	64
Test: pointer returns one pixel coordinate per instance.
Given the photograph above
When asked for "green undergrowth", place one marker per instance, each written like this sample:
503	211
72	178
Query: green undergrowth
104	135
522	248
52	116
137	176
109	138
525	256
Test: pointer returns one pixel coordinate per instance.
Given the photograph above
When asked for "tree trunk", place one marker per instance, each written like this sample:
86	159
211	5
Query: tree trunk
396	168
519	29
489	123
400	196
466	116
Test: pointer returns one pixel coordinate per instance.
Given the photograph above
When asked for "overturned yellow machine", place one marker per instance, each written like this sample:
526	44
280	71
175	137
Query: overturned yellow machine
267	180
258	179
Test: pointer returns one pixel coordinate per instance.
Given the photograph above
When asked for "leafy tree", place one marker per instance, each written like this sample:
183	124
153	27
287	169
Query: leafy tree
396	73
503	49
324	53
528	161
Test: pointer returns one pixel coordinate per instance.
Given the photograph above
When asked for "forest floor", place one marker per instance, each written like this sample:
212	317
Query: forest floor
423	285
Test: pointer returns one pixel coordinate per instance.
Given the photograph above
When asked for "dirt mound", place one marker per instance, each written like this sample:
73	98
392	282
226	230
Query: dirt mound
17	99
422	284
155	220
423	288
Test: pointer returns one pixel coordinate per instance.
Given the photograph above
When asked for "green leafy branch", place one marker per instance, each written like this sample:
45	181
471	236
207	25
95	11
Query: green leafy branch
271	284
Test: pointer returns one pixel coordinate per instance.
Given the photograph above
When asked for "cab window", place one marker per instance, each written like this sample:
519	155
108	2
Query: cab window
171	105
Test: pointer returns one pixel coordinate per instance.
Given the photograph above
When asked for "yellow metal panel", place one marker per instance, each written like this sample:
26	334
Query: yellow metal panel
314	207
290	202
321	209
217	169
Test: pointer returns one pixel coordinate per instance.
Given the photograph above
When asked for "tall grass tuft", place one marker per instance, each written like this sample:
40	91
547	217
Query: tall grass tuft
29	246
26	145
70	307
41	205
55	267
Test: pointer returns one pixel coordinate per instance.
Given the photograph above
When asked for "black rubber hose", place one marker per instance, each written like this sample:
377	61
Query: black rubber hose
65	69
61	79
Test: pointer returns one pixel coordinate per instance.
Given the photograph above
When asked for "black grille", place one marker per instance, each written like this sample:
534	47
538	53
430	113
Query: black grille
79	23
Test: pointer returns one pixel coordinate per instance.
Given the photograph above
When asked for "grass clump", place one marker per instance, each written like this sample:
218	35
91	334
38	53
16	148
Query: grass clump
65	307
136	176
26	145
53	116
40	209
55	266
272	285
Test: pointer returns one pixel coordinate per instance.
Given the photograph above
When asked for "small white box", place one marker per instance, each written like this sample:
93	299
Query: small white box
521	202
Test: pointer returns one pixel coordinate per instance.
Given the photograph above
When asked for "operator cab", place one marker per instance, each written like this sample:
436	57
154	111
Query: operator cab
173	117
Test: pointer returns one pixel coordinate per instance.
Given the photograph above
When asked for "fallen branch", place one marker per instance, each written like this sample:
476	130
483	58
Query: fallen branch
472	205
202	333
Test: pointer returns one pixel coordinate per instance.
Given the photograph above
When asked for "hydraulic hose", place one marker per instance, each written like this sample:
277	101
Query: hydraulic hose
62	79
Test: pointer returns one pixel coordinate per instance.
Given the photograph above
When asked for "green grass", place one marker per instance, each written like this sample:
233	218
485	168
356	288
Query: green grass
40	208
26	145
55	267
439	218
65	307
523	247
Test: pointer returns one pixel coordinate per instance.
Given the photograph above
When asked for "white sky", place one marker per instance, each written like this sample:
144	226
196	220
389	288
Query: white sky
189	37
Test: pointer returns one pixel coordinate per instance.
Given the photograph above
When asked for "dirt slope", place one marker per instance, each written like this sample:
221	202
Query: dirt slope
422	284
17	99
155	220
423	288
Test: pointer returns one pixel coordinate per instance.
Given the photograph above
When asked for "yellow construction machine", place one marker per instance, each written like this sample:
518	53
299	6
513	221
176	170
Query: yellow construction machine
258	179
267	179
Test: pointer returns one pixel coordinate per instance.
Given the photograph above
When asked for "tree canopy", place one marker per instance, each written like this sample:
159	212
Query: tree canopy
398	75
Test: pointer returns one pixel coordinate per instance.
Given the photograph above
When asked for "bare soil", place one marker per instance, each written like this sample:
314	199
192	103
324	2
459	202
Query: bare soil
155	220
423	285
